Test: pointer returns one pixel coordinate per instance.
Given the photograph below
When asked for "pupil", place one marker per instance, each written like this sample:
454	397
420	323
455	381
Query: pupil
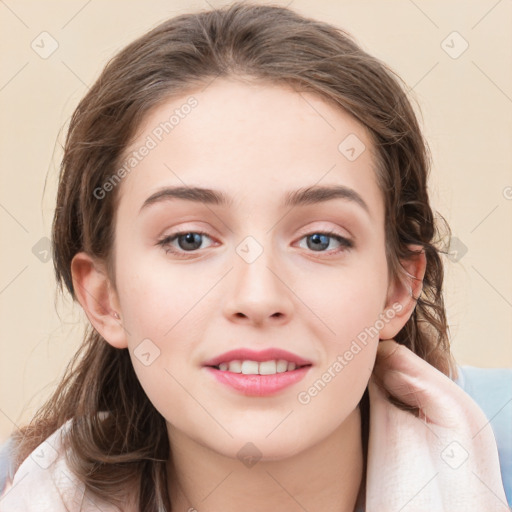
316	239
190	238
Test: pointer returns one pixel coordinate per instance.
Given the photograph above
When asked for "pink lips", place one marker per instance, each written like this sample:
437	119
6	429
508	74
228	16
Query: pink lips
258	385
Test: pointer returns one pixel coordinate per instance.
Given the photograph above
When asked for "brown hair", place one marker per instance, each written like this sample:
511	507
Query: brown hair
129	448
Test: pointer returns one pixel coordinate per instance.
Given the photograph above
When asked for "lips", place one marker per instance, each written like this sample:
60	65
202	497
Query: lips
258	385
261	356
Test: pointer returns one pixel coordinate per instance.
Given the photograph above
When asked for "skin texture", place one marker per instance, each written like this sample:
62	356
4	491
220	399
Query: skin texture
254	142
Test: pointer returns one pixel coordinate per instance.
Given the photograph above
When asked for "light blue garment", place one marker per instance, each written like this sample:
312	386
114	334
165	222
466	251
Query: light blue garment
5	468
491	389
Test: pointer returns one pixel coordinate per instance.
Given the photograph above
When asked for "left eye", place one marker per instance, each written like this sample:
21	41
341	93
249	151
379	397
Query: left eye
320	240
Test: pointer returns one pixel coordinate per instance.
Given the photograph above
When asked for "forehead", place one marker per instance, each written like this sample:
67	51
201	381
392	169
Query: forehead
252	140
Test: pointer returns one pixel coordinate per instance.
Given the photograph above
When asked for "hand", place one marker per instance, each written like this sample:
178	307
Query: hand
444	458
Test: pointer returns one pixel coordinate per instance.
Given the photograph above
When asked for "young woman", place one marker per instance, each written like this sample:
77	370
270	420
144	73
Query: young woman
243	215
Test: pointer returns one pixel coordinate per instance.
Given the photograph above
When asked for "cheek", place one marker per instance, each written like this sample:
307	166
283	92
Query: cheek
346	300
157	299
352	315
161	307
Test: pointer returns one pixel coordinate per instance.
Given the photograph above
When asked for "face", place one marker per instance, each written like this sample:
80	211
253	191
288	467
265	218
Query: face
197	278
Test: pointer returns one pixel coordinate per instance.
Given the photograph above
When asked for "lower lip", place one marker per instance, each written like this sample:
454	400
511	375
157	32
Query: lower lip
259	385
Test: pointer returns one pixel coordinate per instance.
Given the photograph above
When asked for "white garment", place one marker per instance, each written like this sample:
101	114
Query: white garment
44	483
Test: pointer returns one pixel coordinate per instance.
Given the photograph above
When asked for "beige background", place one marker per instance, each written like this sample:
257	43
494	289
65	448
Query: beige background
466	105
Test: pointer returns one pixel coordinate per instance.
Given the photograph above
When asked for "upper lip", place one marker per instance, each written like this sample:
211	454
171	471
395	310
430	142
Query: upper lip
245	354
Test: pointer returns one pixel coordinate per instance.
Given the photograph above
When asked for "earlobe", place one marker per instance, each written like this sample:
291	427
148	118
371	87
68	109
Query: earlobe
404	293
99	301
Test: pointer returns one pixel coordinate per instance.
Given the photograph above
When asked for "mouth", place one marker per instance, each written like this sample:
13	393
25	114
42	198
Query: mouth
257	384
261	373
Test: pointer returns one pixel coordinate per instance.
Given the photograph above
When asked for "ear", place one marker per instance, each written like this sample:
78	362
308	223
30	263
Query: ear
98	298
403	293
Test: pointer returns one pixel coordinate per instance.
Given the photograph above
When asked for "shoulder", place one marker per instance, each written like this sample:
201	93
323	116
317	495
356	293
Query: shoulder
44	482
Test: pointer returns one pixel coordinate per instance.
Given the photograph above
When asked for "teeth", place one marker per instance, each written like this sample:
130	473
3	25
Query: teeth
255	368
234	366
250	368
268	368
281	366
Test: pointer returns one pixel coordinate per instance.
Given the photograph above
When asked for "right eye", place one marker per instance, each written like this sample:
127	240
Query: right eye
187	242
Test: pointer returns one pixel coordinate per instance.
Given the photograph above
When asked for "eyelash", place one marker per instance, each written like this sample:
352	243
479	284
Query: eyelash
165	242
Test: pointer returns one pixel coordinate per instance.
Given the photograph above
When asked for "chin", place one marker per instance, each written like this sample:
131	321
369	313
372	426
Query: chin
251	449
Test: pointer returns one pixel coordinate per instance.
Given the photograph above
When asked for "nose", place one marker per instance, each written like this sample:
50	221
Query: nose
259	292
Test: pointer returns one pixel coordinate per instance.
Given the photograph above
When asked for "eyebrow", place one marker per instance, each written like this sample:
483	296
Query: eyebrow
299	197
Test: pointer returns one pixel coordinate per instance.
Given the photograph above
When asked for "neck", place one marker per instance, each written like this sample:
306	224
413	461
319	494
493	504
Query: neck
326	477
